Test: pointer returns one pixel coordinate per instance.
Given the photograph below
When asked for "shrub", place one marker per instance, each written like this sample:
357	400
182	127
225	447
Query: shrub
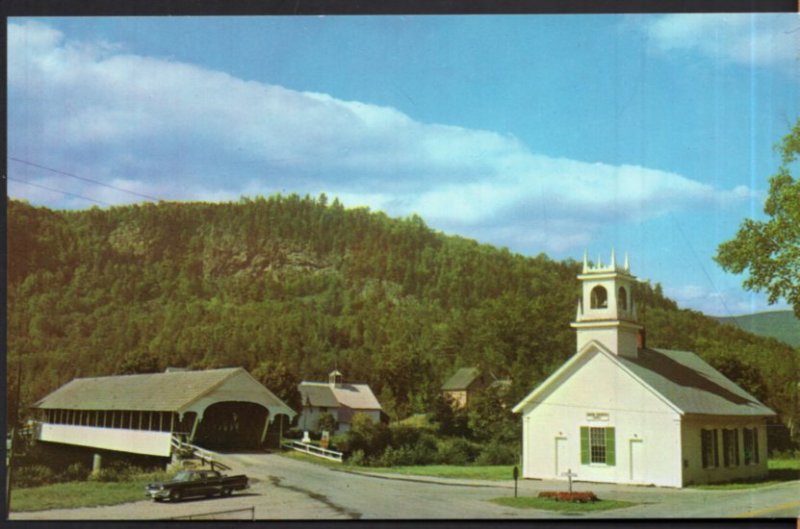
340	442
457	451
404	435
114	472
368	436
33	476
425	452
496	453
75	472
422	452
327	422
574	497
785	454
358	458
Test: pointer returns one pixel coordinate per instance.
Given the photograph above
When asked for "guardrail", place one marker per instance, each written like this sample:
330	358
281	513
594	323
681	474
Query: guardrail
331	455
205	456
218	515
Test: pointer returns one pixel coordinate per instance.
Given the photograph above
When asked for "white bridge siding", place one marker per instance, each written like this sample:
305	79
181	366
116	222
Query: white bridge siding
143	442
647	430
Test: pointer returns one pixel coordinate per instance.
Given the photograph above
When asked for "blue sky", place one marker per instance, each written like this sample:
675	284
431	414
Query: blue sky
652	134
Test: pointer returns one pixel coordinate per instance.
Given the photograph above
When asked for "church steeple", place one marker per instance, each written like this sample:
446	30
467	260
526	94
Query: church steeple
607	312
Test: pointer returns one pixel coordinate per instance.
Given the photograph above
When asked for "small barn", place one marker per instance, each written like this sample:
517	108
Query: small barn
621	412
462	385
467	382
143	414
340	399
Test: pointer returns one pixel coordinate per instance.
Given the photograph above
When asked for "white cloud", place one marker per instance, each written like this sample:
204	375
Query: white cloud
179	131
725	302
752	39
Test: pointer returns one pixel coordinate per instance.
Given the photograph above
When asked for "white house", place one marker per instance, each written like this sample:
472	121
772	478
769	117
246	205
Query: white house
342	400
620	412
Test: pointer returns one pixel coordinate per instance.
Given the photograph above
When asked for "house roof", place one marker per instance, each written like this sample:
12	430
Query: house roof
172	391
691	384
323	394
317	394
683	379
461	379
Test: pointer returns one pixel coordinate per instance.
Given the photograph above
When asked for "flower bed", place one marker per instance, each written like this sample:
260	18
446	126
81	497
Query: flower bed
574	497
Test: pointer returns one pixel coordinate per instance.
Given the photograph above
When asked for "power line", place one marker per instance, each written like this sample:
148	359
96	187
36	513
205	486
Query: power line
26	162
58	191
700	263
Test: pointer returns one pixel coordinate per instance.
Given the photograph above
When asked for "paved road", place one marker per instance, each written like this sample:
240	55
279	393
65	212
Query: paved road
285	488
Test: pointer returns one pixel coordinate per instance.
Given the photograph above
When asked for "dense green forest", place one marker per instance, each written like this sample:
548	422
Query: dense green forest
780	324
295	285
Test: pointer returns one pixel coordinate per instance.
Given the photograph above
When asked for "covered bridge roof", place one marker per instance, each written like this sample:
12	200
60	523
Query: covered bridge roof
176	391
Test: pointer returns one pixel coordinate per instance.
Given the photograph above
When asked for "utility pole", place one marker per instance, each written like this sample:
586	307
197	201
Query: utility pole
10	442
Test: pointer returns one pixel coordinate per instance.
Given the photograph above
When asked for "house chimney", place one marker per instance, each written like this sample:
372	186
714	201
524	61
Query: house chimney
641	339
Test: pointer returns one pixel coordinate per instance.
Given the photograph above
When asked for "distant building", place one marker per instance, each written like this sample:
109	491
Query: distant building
463	384
621	412
467	382
144	414
342	400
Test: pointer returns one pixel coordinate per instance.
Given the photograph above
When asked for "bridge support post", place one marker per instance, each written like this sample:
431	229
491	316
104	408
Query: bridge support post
97	463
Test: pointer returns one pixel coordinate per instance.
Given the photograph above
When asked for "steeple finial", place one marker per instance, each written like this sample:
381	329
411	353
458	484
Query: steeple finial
585	261
599	263
613	259
626	266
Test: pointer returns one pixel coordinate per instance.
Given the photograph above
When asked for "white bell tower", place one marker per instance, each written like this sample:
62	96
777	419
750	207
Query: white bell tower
606	311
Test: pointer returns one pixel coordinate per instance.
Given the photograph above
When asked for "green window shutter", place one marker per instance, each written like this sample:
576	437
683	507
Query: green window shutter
584	445
611	457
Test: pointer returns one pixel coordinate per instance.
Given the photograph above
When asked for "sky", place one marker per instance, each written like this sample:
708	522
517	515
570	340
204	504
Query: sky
650	134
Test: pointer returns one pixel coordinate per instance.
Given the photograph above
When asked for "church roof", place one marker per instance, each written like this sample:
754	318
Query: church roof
691	384
461	379
686	381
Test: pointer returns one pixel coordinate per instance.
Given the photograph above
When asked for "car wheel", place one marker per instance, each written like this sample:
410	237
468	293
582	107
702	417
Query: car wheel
227	492
175	495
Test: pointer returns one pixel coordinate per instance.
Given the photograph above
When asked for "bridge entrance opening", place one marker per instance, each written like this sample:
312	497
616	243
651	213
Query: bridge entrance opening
232	426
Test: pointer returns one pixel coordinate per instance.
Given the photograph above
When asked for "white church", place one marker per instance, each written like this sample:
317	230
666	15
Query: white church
620	412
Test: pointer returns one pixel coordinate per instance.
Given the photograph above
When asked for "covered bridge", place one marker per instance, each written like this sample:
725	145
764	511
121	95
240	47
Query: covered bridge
141	414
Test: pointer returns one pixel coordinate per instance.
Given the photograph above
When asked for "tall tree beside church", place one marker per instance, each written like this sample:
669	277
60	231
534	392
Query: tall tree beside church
770	250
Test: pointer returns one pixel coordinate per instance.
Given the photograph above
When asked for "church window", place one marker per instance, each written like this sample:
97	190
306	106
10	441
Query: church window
750	442
622	299
597	446
708	447
599	298
730	447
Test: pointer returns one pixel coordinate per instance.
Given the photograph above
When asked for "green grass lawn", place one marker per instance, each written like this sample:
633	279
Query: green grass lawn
527	502
76	494
784	464
493	473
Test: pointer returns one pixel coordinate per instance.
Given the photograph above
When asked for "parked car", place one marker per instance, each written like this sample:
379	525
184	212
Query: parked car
188	483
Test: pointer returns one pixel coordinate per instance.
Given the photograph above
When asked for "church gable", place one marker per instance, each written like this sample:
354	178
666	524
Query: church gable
599	382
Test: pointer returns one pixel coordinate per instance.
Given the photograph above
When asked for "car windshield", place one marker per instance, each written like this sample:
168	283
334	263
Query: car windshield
183	476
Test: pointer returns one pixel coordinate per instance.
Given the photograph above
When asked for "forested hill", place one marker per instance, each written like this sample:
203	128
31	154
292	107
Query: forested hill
297	286
780	324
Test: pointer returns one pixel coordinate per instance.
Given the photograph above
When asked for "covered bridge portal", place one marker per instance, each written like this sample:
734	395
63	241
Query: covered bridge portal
141	414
